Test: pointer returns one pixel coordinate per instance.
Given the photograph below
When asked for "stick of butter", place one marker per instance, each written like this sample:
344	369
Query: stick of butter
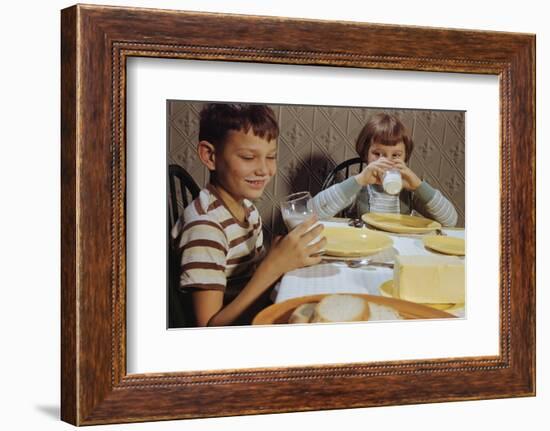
429	279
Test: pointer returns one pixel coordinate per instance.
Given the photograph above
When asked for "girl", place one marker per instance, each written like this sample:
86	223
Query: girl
385	144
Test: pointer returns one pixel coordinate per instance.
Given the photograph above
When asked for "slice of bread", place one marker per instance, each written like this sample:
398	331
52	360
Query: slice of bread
341	308
302	313
382	312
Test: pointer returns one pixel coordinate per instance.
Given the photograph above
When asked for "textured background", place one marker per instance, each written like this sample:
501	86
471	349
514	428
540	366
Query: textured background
314	139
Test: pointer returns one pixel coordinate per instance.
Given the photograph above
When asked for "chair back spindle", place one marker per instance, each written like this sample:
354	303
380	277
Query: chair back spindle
184	189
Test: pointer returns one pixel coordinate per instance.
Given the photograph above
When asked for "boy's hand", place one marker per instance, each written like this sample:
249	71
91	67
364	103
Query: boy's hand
373	172
292	251
410	179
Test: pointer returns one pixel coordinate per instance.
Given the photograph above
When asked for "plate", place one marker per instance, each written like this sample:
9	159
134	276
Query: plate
354	242
385	256
386	289
279	313
445	244
400	223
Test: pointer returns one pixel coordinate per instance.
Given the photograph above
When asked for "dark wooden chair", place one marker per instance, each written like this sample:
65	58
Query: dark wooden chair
181	185
182	188
342	172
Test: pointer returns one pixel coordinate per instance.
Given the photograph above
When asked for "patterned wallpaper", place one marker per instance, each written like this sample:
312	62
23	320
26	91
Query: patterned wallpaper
314	139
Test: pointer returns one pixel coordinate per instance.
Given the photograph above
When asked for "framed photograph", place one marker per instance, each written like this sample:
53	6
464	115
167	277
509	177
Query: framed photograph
327	142
137	86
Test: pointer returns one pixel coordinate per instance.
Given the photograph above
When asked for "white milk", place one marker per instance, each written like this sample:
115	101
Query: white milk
392	182
291	221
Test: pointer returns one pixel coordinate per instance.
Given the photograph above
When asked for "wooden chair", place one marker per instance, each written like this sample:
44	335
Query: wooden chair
182	186
340	173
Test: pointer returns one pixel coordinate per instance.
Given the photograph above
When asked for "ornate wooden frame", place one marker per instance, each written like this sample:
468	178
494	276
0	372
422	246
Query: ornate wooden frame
96	41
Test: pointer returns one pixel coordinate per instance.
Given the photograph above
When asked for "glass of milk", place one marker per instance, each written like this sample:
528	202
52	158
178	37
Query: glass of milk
392	181
296	208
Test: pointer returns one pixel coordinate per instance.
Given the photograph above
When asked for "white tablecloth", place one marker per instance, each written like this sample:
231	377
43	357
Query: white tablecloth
337	277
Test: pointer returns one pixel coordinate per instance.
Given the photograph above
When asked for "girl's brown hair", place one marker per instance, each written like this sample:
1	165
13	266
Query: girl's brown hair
385	129
217	119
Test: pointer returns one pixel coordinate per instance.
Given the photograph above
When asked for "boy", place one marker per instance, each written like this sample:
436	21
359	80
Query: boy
385	144
221	239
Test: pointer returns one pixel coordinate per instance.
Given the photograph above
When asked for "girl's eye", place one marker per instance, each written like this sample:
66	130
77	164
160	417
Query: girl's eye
247	157
272	157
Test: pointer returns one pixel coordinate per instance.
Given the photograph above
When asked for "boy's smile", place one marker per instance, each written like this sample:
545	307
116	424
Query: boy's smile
245	164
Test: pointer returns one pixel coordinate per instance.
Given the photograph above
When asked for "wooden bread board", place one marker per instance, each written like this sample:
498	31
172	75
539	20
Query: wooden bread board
279	313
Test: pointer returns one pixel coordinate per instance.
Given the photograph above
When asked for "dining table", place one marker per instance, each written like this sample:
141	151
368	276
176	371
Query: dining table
358	275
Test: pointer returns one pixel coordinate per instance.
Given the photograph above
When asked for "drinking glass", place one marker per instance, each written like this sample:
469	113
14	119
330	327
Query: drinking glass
392	181
296	208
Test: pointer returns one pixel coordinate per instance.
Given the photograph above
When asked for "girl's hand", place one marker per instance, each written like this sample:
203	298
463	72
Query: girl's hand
410	179
292	251
373	172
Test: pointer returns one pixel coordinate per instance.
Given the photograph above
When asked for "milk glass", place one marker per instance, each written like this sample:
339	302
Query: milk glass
392	181
296	208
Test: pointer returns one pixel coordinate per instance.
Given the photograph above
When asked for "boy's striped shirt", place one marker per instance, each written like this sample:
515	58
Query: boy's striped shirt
214	247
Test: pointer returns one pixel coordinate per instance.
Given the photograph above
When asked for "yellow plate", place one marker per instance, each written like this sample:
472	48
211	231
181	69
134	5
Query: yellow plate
445	244
400	223
354	242
386	289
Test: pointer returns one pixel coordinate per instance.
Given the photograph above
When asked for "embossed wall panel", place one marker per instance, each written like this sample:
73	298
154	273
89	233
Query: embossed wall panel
314	139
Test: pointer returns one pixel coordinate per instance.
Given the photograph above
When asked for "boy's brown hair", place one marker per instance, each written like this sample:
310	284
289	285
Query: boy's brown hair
385	129
217	119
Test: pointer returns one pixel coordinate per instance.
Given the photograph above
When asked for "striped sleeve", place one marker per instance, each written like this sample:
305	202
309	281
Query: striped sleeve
203	250
331	201
431	203
442	210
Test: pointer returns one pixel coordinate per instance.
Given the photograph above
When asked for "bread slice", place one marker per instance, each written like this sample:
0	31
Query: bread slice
383	312
302	313
341	308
